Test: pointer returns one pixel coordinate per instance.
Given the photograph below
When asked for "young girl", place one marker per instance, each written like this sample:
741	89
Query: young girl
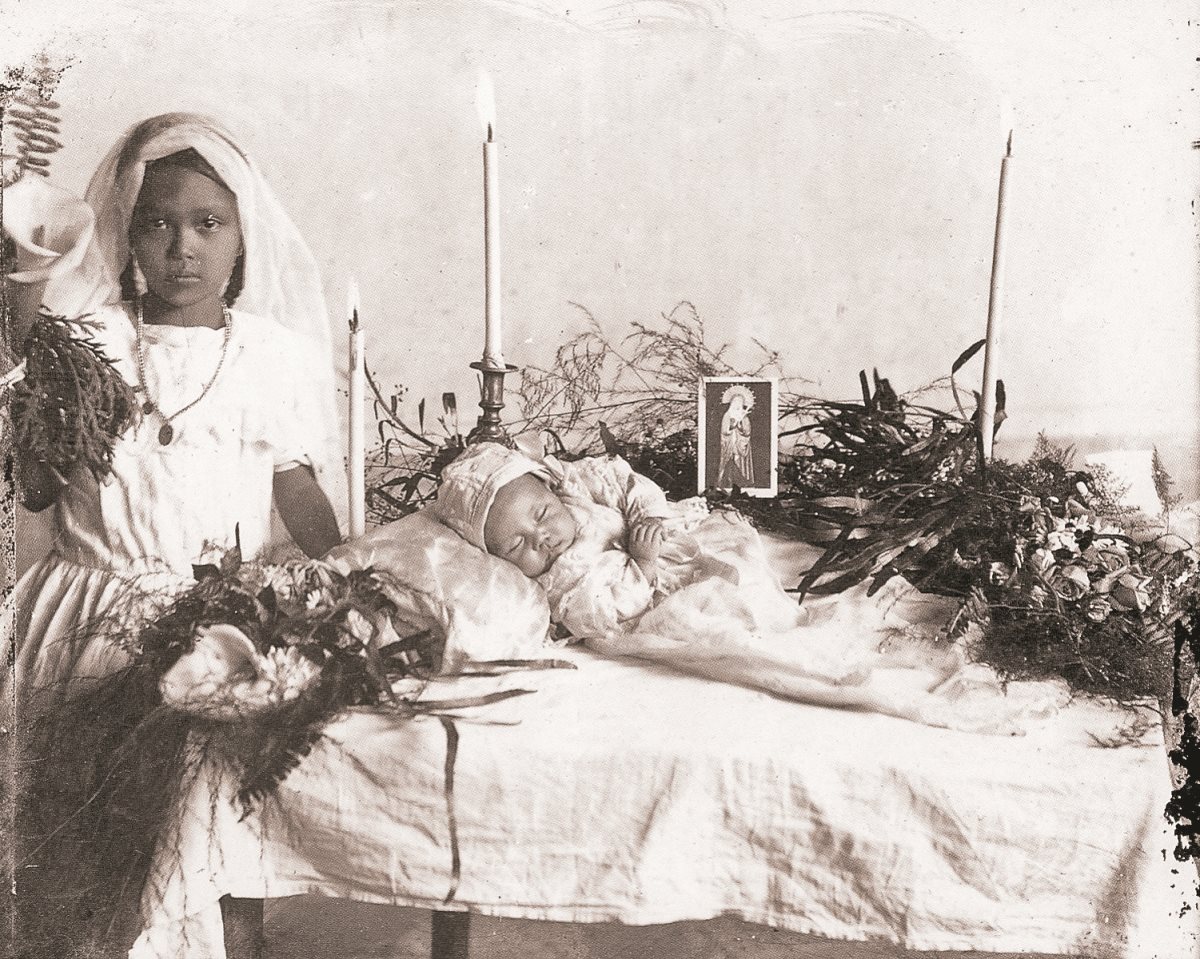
201	290
633	574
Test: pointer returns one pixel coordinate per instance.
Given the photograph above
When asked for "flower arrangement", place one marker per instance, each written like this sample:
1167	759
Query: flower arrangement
1057	579
262	656
1082	599
244	669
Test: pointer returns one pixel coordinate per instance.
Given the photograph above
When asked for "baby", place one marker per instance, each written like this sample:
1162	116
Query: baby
602	540
636	575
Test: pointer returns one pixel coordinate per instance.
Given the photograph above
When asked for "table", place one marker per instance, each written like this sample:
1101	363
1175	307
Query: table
623	792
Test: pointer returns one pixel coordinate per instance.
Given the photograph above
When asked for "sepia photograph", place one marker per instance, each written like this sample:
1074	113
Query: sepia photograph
595	479
737	440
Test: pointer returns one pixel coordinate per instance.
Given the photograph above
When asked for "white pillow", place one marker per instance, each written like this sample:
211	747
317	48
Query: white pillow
485	607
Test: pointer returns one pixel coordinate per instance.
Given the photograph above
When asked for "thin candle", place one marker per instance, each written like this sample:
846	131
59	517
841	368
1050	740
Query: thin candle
987	402
493	337
356	463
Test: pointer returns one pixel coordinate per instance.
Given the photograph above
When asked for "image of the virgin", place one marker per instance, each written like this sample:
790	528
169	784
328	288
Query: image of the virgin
736	464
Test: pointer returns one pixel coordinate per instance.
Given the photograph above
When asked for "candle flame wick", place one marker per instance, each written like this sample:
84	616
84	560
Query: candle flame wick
485	103
352	303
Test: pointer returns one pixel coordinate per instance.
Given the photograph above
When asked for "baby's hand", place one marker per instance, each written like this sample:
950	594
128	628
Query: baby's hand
645	540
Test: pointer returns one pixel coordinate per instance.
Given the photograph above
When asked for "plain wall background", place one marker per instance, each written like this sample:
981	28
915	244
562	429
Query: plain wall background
824	181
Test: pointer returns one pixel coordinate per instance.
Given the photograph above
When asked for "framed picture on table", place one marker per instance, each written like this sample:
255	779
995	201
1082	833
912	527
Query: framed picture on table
738	435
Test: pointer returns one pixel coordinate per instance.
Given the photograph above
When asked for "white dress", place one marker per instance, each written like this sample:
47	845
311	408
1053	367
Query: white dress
165	508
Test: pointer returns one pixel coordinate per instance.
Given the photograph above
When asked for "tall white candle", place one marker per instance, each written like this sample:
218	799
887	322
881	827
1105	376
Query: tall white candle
493	337
987	403
357	460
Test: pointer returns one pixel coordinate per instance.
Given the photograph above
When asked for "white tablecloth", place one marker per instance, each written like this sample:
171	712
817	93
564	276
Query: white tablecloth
627	792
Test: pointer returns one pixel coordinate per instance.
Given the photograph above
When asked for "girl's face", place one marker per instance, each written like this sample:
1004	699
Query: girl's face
185	234
528	525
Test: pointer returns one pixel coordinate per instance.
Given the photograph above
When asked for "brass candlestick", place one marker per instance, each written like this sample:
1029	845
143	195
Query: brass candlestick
489	429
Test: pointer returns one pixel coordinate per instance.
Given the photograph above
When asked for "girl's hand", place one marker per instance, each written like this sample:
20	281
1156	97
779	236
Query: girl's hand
645	540
305	511
41	484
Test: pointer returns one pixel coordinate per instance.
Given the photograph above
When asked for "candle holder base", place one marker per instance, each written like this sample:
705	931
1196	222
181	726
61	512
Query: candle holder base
489	429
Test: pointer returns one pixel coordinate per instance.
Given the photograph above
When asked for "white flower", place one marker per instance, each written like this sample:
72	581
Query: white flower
1063	537
321	572
358	626
1041	560
289	672
224	677
211	554
999	573
1131	591
221	657
279	580
1069	582
1108	555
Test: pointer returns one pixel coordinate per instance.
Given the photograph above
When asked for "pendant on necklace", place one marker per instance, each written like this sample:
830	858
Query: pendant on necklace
166	434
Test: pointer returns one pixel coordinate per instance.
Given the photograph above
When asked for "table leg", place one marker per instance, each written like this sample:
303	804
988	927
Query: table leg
451	932
243	921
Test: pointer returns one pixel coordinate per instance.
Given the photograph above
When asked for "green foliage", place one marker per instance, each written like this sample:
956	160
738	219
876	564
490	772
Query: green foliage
635	396
638	392
892	485
403	471
1163	483
72	405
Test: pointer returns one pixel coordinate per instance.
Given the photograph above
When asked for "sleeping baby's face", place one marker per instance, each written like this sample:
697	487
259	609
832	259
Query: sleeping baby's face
528	525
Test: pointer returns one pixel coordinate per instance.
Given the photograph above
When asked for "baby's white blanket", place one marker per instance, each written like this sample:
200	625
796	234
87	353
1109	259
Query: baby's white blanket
631	793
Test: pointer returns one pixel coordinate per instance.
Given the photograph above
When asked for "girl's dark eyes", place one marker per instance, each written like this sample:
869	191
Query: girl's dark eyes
209	223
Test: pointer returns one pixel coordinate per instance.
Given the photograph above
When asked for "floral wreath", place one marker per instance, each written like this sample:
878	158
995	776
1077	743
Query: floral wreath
739	390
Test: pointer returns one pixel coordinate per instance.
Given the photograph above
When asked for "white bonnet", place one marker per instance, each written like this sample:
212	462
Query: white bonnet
471	482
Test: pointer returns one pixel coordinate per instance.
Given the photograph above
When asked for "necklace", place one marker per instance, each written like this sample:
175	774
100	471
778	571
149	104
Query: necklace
166	432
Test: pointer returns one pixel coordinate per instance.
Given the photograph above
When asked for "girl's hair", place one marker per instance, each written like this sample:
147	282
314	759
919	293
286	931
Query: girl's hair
189	159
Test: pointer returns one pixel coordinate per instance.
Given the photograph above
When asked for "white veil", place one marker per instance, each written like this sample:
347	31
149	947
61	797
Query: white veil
281	277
